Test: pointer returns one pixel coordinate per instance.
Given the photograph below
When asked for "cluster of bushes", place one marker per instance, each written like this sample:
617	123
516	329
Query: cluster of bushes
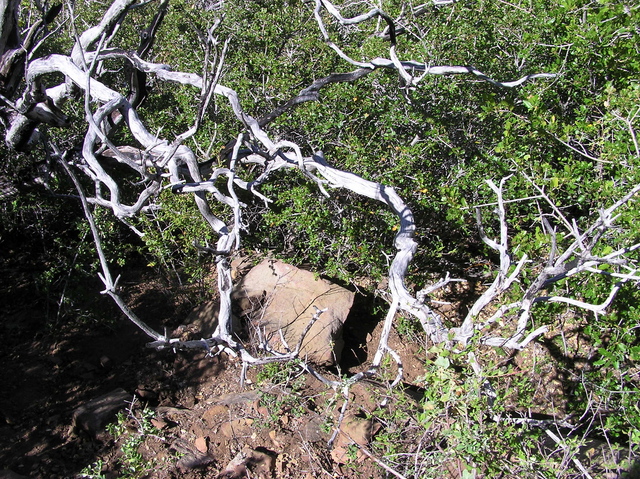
574	136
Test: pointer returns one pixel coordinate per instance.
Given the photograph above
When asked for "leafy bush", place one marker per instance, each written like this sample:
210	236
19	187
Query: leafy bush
573	136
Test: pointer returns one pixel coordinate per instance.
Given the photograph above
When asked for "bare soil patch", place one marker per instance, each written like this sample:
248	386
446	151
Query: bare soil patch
203	418
204	423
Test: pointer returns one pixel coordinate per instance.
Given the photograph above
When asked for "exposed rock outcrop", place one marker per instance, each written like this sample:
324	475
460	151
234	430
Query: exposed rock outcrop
276	296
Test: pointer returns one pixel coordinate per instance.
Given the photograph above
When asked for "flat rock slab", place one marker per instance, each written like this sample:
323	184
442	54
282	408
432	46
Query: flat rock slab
92	416
276	296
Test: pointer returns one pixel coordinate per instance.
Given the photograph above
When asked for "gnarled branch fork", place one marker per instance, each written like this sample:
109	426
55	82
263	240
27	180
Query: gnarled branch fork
578	257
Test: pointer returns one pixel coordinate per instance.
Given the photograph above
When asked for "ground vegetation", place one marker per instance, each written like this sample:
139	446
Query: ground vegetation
470	167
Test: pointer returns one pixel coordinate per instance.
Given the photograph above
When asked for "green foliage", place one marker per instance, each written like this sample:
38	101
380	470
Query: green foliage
435	149
130	431
613	384
170	234
281	385
47	238
285	374
453	425
409	329
94	471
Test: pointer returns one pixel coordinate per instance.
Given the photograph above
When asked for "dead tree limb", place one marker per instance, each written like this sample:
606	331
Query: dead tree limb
577	257
159	163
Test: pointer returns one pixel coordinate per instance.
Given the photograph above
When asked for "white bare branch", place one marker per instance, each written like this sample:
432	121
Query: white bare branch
578	257
405	68
160	163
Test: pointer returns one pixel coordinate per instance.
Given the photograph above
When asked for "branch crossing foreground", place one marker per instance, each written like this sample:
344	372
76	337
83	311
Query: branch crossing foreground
161	164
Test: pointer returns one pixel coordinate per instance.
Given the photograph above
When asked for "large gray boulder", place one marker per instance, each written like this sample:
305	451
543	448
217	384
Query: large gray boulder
276	296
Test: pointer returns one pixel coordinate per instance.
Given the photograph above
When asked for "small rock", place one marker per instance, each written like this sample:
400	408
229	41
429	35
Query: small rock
159	423
7	474
146	394
358	429
312	429
354	429
92	416
274	438
198	429
237	427
172	412
192	458
261	463
201	444
214	414
263	411
191	461
105	362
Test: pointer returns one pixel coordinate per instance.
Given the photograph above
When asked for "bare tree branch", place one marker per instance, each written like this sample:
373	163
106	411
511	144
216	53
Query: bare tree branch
405	68
160	163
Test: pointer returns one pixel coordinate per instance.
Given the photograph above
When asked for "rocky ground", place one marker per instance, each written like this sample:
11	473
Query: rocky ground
185	414
85	398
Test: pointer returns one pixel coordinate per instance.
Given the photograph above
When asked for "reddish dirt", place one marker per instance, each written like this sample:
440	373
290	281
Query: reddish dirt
201	411
204	418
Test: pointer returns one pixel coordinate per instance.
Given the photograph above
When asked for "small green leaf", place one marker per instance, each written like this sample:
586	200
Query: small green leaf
466	474
442	362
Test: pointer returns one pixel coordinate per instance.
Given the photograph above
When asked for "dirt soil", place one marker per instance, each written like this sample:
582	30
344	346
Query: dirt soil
206	423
